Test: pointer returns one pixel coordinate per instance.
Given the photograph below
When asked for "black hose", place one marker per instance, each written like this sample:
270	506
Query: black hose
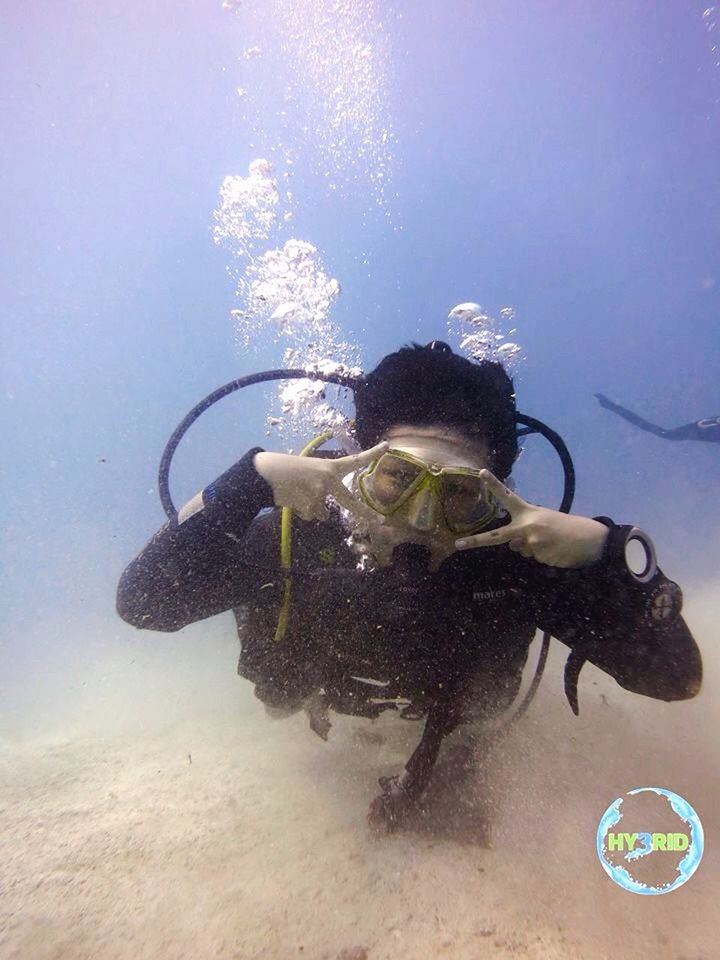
200	408
537	426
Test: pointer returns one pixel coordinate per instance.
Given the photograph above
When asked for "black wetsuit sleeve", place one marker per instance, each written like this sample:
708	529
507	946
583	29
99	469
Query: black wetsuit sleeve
631	630
194	566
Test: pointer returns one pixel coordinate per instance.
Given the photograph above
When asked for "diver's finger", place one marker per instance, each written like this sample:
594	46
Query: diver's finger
345	498
492	538
504	495
357	460
310	513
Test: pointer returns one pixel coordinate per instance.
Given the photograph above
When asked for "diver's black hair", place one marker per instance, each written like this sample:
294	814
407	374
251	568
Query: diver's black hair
428	385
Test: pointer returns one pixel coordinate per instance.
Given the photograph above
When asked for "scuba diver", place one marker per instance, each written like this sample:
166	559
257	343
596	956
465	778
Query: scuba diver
408	576
707	429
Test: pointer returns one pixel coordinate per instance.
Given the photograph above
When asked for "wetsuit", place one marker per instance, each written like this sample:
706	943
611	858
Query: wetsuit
458	636
707	429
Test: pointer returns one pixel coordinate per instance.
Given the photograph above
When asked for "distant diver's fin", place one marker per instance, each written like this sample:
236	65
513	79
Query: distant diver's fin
573	666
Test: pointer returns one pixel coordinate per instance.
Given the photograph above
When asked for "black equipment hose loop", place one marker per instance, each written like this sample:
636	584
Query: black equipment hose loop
537	426
200	408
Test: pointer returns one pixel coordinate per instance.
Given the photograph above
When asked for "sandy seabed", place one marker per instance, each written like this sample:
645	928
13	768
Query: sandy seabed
198	828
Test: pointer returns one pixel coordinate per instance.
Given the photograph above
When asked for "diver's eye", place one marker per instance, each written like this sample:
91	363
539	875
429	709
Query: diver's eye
462	488
394	470
391	479
403	477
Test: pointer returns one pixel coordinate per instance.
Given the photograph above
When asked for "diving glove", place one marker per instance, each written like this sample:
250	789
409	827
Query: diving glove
304	483
548	536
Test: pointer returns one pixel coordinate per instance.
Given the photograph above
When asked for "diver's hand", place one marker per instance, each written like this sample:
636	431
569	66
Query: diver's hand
548	536
303	483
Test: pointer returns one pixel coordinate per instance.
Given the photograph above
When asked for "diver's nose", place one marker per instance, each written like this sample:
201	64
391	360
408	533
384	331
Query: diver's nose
423	511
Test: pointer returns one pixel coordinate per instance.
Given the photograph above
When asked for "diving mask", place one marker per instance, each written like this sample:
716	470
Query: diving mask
398	476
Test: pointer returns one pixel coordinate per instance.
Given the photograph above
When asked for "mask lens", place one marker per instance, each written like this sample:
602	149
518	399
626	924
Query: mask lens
464	502
390	480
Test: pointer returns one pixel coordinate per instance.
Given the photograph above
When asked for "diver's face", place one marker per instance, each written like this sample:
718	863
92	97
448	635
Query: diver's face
438	446
421	518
